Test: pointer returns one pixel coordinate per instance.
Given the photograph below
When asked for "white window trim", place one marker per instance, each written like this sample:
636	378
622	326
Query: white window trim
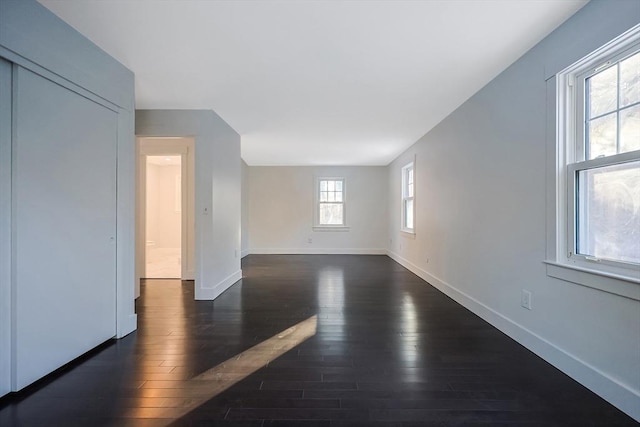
562	263
403	227
316	206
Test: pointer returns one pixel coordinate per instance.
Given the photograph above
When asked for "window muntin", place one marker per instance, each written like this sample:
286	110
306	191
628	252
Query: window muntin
612	107
331	202
603	161
408	205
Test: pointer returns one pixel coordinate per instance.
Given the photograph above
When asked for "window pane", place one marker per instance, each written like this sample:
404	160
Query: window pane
408	213
323	196
609	212
410	177
602	136
410	190
603	92
338	185
331	214
330	185
630	129
339	196
323	185
630	80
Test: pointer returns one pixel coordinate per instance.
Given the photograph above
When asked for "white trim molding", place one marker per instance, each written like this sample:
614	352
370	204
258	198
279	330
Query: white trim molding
408	193
317	251
317	226
330	228
603	281
203	293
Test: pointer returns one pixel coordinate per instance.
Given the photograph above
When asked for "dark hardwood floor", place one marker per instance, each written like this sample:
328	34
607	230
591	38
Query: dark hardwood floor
316	340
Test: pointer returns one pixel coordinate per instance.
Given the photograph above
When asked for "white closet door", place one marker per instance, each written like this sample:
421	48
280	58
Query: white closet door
5	227
64	200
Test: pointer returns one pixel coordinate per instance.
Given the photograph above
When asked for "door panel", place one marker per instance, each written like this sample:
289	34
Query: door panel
64	199
5	227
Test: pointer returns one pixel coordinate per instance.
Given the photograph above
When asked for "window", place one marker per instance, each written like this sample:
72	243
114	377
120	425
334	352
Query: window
408	206
599	138
330	203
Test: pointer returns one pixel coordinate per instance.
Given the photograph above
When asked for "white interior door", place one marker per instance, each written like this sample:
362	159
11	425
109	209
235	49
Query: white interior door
64	201
6	322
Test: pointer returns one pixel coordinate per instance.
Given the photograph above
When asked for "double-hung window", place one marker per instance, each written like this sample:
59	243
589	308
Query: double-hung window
408	205
330	203
599	117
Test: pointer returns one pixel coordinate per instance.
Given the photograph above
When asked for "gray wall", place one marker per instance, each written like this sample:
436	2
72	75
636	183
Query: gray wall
34	39
481	195
217	191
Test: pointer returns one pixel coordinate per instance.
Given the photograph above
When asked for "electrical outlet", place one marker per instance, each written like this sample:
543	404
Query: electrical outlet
525	299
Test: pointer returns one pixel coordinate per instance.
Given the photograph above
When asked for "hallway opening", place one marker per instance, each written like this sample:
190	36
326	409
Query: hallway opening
163	220
165	204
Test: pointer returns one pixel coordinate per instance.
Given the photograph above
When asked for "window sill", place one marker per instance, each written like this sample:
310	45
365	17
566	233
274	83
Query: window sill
624	286
330	228
410	234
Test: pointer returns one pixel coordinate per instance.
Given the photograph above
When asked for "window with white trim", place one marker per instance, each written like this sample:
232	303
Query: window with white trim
330	202
599	167
408	205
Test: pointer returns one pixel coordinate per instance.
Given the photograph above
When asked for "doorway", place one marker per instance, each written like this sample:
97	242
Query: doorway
165	202
163	221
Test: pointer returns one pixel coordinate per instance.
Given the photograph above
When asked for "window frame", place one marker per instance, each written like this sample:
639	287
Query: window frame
570	159
317	226
405	197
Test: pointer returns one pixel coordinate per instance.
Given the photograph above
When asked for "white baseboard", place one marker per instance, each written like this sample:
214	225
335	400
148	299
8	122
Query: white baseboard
244	253
616	393
318	251
129	325
214	292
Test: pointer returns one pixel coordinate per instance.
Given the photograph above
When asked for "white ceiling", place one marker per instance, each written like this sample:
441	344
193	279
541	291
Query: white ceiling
316	82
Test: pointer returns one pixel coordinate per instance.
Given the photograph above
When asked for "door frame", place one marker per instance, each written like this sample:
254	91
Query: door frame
159	146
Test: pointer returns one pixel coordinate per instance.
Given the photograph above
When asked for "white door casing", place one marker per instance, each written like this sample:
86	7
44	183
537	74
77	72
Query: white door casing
183	146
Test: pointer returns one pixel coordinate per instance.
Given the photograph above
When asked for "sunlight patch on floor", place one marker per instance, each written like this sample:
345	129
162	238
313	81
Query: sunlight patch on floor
216	380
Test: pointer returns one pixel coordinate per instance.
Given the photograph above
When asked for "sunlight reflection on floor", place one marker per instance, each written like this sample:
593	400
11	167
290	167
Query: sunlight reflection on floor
221	377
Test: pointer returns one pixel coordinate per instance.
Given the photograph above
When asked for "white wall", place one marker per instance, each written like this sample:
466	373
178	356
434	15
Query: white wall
281	206
481	189
164	222
245	210
217	191
151	203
